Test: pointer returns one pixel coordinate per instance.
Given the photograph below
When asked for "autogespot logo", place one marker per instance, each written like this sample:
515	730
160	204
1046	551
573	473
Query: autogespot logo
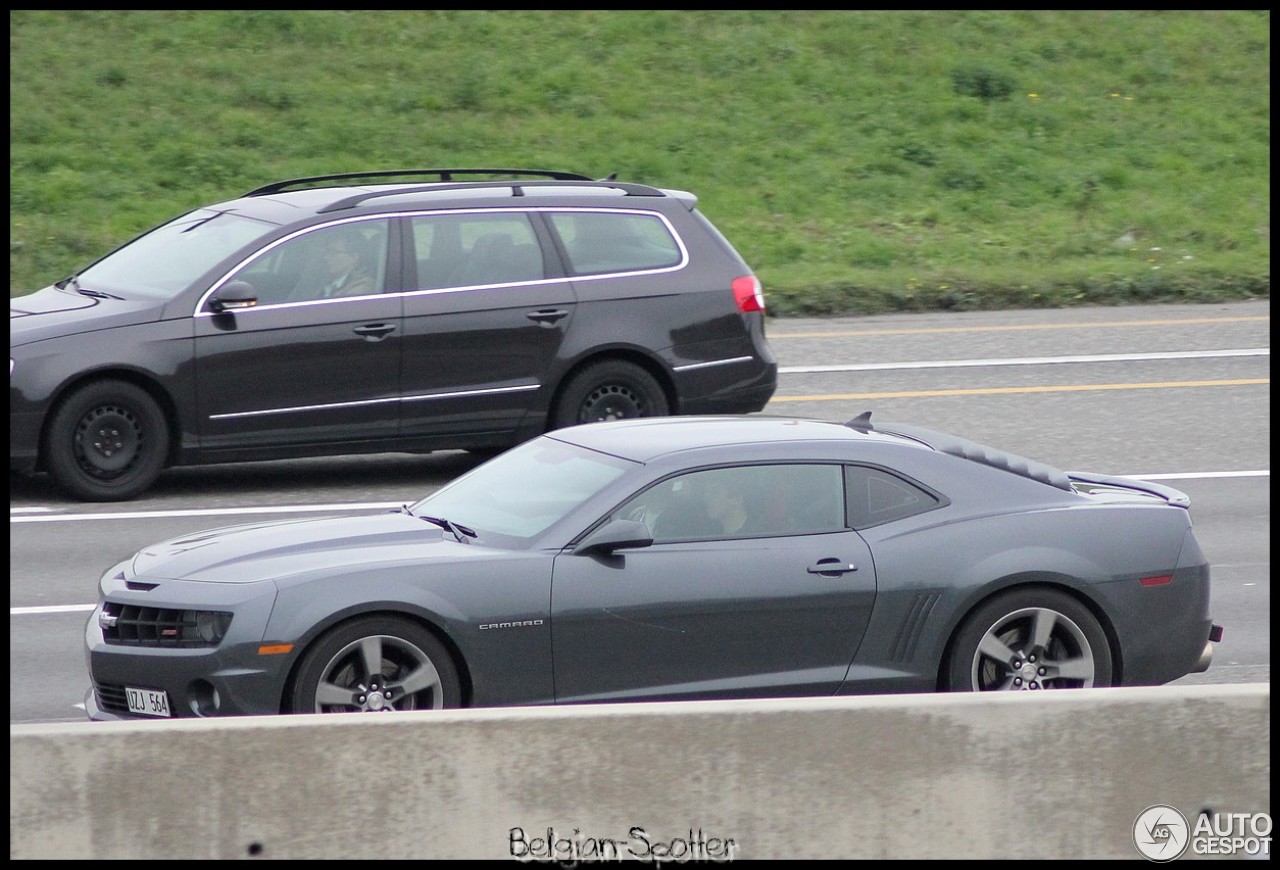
1161	833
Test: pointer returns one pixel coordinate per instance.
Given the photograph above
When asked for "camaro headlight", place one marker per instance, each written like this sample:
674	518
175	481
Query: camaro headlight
210	625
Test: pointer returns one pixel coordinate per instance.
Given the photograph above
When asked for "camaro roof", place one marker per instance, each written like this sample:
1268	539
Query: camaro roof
641	439
644	438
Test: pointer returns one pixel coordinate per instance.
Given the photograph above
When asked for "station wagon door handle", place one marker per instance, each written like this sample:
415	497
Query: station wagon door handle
832	567
375	331
547	316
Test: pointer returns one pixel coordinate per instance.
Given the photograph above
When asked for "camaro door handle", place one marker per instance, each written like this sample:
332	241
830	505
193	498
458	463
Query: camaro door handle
375	331
831	567
547	316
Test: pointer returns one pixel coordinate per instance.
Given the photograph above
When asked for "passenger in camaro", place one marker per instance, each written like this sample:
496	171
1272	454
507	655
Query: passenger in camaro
726	505
715	505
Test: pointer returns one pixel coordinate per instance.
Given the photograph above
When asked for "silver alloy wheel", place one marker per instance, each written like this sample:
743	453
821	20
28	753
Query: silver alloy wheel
379	673
1033	648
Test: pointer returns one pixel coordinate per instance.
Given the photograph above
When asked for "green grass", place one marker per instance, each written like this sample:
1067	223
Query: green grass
860	161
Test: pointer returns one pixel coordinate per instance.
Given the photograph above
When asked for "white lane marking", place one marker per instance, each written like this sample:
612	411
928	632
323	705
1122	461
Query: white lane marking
1191	475
373	506
209	512
1025	361
79	608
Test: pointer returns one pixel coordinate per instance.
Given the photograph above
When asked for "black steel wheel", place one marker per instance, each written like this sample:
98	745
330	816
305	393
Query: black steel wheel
106	441
610	390
375	664
1029	639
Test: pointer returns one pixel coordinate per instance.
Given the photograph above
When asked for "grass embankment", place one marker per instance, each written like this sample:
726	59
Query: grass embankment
861	161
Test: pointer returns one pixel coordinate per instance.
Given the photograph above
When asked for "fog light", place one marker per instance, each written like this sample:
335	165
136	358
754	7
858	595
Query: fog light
205	700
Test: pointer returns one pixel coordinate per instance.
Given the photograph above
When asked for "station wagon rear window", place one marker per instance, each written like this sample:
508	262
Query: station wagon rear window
599	242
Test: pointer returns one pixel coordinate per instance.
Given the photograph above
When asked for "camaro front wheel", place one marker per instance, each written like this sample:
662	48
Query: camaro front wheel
375	665
1029	639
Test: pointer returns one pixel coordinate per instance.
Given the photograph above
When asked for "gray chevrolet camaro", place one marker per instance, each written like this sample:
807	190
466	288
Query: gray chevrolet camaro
668	559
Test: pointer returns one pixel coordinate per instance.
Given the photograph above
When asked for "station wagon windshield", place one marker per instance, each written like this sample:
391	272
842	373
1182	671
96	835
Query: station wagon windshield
165	261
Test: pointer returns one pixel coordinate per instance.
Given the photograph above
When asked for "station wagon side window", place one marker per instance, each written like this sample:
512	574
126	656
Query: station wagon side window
601	242
745	501
875	496
345	260
465	250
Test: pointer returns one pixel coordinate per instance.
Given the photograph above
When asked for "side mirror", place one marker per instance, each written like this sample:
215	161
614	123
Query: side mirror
233	295
615	535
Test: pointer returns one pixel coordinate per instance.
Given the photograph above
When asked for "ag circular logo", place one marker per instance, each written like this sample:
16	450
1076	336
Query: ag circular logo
1161	833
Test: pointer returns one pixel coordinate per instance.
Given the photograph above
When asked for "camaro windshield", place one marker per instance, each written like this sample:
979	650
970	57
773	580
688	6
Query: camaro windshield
165	261
523	491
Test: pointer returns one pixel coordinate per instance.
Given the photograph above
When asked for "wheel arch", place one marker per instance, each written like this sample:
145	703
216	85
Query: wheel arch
164	401
1024	582
459	662
639	358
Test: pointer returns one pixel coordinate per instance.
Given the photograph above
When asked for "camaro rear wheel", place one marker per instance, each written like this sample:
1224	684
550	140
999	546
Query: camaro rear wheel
1030	639
610	390
107	441
376	664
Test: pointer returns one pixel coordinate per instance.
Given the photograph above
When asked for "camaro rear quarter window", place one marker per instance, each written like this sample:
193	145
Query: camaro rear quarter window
875	497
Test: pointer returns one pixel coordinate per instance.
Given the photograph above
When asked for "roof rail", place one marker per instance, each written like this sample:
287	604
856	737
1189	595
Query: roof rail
517	189
440	174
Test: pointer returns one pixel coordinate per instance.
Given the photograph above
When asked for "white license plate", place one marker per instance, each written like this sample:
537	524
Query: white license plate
147	702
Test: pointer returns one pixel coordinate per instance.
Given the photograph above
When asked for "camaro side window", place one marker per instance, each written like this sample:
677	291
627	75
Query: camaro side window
464	250
742	502
876	496
340	261
599	242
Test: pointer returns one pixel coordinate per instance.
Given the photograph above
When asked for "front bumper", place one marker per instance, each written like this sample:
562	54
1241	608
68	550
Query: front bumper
24	436
229	677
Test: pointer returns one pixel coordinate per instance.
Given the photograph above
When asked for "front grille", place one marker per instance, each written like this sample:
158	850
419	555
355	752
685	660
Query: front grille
132	625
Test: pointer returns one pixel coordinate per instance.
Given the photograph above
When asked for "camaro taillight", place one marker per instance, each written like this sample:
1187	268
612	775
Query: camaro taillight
748	293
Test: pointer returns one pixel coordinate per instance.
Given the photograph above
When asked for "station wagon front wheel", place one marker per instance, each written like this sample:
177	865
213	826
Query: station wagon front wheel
106	441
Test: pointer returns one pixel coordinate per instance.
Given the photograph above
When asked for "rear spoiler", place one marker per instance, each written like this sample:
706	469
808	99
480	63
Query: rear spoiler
1174	497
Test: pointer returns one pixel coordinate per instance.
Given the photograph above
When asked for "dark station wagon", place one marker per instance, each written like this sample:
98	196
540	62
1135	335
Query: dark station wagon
413	310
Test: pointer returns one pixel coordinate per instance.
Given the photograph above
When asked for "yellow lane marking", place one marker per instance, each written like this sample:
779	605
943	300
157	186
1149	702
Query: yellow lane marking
1064	388
1018	328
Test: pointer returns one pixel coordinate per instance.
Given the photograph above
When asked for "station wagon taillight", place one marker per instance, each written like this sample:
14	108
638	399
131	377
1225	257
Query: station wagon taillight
748	293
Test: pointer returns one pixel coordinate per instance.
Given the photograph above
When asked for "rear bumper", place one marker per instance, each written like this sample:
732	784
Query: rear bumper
1206	655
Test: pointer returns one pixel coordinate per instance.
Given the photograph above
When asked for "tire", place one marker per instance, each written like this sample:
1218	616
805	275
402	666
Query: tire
107	441
610	390
411	670
996	650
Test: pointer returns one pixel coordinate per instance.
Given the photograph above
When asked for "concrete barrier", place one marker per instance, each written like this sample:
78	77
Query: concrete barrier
1048	775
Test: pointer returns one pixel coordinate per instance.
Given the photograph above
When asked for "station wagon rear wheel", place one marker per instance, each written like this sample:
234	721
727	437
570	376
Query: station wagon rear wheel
1030	639
610	390
107	441
377	664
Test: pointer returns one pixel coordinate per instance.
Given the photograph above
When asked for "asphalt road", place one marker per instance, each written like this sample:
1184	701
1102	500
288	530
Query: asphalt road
1177	393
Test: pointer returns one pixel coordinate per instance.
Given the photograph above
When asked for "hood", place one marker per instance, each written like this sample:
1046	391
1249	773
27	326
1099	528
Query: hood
51	313
283	548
